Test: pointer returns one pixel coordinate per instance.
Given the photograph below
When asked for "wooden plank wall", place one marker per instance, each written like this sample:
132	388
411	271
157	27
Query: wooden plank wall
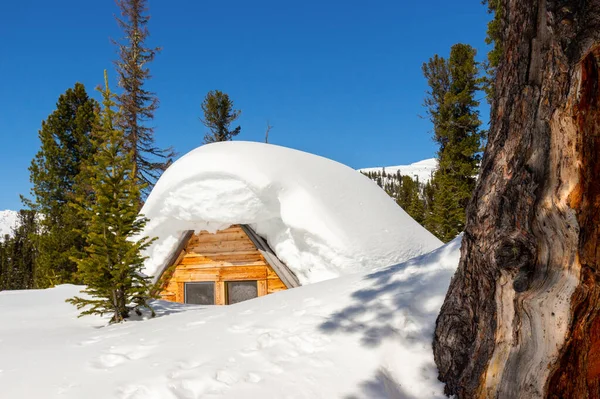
228	255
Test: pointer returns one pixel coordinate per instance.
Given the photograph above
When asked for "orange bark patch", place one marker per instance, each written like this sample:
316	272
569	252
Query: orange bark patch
593	371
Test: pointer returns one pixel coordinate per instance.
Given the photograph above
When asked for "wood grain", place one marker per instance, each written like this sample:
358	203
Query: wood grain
228	255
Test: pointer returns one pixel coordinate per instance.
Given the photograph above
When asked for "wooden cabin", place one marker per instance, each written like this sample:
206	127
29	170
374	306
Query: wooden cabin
223	268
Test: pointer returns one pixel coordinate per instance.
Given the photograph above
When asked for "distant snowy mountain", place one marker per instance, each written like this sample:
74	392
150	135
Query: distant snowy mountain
8	221
422	169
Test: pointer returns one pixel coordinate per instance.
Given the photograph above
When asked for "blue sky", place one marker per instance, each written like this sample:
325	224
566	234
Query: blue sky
340	79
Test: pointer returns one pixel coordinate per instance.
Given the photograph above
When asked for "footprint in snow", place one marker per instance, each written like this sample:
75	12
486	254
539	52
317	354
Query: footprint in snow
287	356
64	388
227	377
90	341
109	360
197	387
182	368
273	369
249	351
188	364
117	355
238	328
181	390
268	339
137	392
195	323
253	378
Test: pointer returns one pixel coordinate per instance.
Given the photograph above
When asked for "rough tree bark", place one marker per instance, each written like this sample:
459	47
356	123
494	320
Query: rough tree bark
522	316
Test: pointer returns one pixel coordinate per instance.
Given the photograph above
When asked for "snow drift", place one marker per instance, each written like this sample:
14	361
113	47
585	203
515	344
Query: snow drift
322	218
365	335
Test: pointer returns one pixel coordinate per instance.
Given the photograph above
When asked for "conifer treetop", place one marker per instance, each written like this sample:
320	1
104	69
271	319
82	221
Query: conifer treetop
111	265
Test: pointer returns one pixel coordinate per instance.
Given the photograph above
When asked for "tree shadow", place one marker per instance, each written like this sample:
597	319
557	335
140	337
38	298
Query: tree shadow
163	308
382	385
401	299
397	307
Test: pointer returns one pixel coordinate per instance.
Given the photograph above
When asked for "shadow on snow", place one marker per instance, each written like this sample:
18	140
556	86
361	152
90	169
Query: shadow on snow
400	304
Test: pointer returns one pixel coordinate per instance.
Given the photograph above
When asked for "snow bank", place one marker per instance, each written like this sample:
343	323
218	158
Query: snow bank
322	218
365	335
422	169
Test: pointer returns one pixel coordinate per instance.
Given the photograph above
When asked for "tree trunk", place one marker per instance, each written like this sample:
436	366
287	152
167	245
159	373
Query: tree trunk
521	318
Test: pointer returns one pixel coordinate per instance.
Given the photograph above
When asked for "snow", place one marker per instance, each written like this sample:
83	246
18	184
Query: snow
8	222
364	335
422	169
323	219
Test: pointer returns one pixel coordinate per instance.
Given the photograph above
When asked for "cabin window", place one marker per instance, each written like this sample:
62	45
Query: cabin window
201	293
238	291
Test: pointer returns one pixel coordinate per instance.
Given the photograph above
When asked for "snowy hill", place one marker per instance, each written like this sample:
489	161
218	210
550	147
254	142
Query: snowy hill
323	219
422	169
8	221
365	335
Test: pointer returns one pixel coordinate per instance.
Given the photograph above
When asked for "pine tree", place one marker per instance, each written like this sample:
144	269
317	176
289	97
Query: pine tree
428	192
416	204
112	264
25	247
493	38
4	265
138	104
218	117
65	146
18	254
452	109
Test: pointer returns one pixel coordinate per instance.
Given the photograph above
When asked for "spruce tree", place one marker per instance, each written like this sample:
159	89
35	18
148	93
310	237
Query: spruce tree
4	268
137	103
65	146
218	117
452	108
18	253
112	263
415	203
493	38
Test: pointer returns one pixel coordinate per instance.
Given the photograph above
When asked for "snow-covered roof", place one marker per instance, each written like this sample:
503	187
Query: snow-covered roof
321	218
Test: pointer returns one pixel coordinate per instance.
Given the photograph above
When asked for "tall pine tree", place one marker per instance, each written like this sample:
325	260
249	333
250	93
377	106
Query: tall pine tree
112	263
452	108
138	104
65	146
218	117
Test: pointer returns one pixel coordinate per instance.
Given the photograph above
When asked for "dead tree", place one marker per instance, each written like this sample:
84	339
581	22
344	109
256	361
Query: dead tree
269	127
522	316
